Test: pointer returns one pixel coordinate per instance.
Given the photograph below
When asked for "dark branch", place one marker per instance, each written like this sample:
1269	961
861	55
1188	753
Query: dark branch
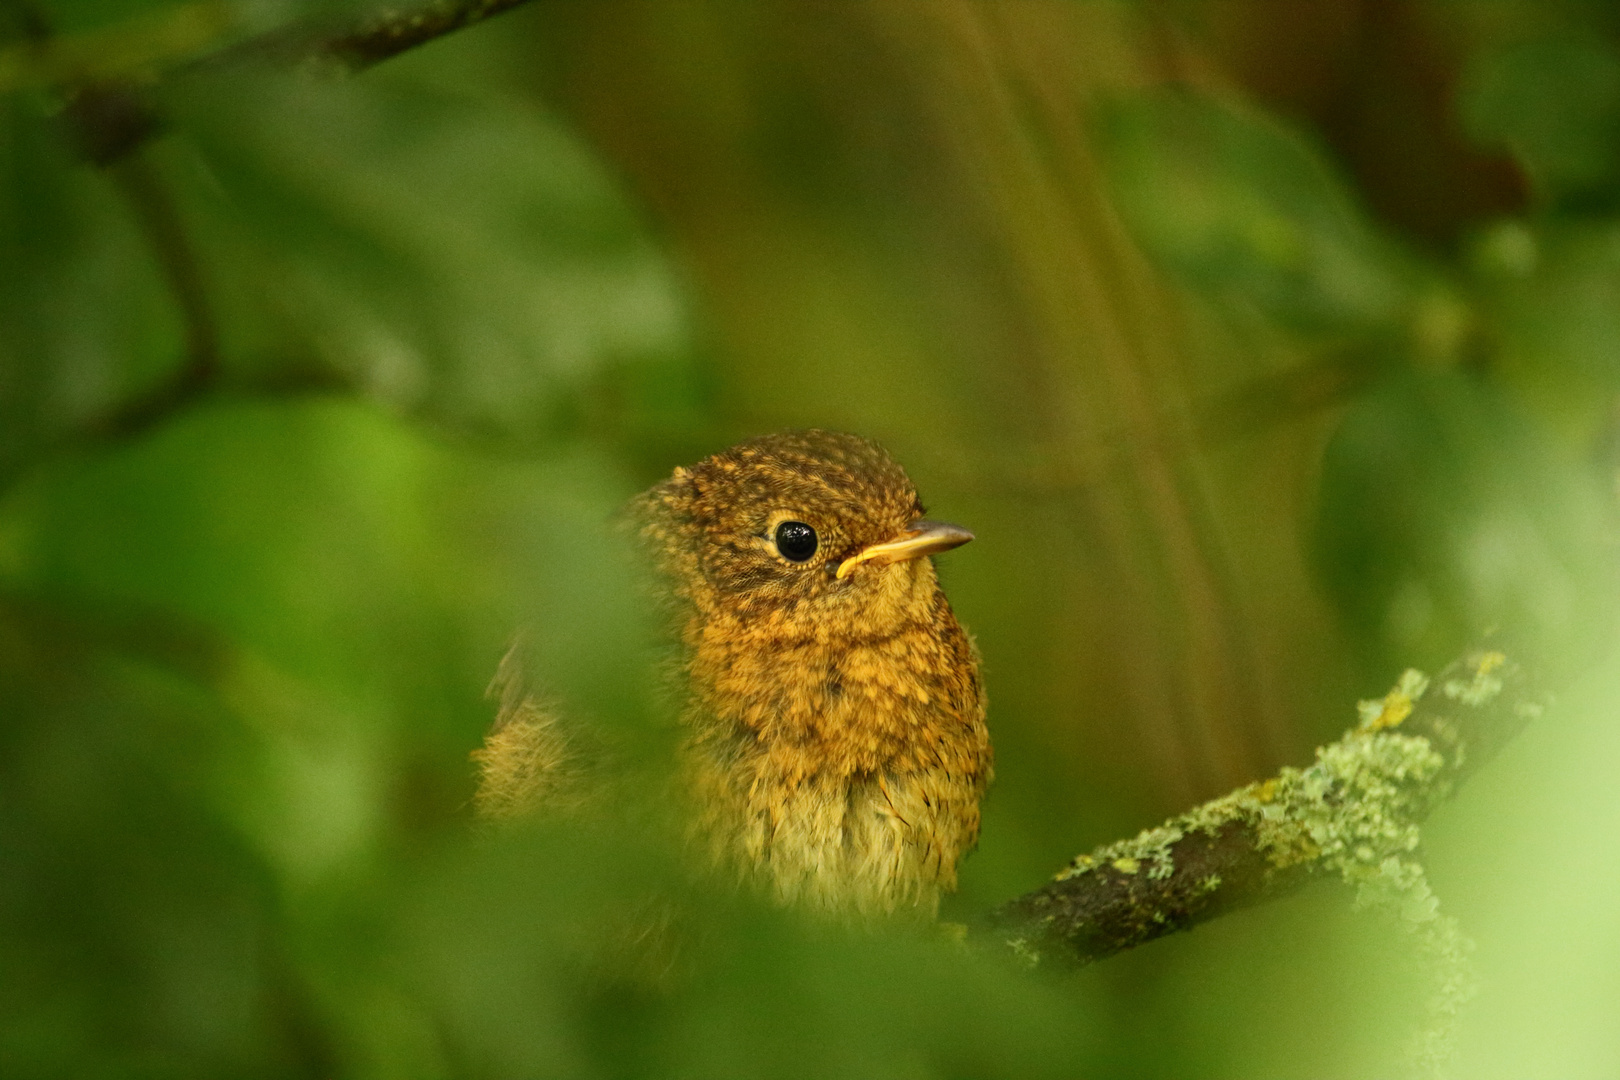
1346	815
166	235
107	122
361	42
387	34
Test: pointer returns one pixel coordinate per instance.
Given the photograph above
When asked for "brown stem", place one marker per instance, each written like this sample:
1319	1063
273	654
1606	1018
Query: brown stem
159	220
108	122
359	43
380	36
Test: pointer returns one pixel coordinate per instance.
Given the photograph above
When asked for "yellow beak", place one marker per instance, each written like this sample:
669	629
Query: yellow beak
921	538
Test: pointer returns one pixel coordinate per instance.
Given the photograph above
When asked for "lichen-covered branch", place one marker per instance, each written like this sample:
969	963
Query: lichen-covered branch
1353	815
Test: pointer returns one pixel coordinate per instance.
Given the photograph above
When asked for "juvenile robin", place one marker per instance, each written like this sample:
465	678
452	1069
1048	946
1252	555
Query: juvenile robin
835	744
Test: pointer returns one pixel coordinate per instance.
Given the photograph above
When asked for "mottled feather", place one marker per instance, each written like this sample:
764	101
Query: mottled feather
836	744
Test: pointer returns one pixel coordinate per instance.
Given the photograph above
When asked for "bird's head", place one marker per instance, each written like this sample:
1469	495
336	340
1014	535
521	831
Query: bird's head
800	534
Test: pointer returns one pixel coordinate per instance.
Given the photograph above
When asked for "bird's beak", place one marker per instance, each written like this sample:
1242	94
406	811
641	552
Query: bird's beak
921	538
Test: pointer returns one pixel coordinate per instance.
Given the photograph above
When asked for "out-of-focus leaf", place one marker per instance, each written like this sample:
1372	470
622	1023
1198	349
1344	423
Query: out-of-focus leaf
1555	320
74	16
586	951
366	579
120	24
136	929
43	57
85	319
1242	208
1533	871
1554	102
1446	514
358	556
449	249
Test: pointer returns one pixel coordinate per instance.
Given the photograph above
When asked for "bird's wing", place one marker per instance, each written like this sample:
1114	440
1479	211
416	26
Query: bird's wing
526	764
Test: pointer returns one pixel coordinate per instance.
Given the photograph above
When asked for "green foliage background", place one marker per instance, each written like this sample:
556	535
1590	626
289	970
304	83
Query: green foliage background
243	647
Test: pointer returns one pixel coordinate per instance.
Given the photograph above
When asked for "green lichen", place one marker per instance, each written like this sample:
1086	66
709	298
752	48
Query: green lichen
1355	812
1356	806
1394	707
1150	849
1484	684
1027	954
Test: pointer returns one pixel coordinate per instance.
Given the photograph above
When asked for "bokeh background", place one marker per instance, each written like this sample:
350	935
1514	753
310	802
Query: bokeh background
1269	348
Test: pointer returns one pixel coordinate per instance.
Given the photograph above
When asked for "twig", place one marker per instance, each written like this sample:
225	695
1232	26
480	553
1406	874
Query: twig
385	34
1353	814
359	43
166	235
107	122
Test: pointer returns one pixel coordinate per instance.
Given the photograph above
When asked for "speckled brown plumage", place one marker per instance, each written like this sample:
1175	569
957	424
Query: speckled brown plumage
836	742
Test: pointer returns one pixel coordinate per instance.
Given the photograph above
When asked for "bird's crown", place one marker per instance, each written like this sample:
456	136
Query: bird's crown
768	521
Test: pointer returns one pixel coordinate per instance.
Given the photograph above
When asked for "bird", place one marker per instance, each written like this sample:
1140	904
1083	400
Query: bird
834	748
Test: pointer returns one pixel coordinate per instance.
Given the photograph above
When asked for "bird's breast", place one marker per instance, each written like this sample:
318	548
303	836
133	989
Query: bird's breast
892	703
846	770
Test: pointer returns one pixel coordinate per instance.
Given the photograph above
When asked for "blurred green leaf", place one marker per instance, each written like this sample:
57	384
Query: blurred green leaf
44	58
568	952
1245	209
304	748
119	25
1554	102
1445	514
1530	865
360	556
1554	311
85	319
148	927
136	929
452	251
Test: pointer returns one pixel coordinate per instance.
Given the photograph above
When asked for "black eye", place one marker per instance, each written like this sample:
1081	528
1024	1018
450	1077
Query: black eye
795	540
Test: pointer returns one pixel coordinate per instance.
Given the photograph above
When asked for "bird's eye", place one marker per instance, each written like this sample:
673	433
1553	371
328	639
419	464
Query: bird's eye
796	541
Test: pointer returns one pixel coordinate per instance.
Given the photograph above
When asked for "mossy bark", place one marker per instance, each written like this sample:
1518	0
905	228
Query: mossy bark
1354	815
